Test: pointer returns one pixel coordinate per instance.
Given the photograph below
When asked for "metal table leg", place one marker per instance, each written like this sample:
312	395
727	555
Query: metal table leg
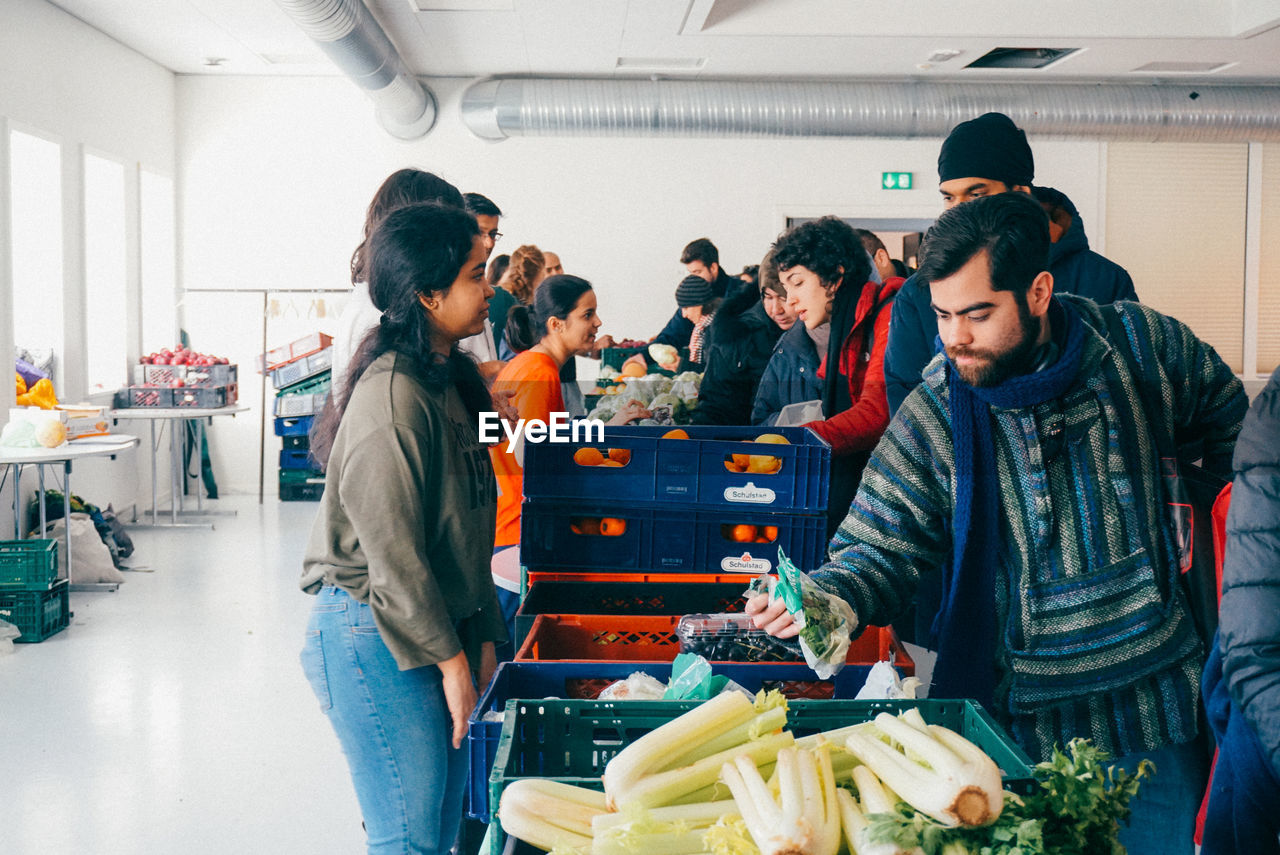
17	500
44	524
153	471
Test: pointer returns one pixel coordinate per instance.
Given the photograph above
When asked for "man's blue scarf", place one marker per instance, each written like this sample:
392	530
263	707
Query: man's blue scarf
964	631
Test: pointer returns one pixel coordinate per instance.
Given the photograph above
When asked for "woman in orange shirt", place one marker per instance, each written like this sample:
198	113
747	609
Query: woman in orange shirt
561	322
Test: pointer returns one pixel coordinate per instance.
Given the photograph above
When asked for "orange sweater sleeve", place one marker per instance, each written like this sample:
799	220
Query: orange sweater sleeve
535	380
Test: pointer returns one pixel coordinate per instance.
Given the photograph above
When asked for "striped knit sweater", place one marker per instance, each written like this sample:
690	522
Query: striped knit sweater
1094	636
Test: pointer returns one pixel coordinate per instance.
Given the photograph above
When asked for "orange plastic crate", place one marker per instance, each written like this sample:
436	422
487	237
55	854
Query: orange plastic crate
531	576
640	638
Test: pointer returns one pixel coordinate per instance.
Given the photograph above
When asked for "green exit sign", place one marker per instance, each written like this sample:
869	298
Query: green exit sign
895	180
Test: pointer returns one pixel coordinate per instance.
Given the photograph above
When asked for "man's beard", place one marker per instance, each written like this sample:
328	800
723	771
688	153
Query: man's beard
996	366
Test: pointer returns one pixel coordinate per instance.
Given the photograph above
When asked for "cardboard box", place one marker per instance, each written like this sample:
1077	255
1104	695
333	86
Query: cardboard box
85	420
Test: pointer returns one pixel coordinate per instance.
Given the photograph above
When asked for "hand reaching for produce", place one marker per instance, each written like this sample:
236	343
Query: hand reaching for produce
773	617
631	411
601	343
503	407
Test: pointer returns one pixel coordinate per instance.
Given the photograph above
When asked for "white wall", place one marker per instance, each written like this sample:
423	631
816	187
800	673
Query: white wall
66	80
276	175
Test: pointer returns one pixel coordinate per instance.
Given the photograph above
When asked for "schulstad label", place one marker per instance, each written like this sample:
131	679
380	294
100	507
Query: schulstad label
751	494
744	563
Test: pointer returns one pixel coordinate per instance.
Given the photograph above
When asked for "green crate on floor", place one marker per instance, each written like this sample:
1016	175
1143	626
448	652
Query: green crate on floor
37	614
301	485
28	565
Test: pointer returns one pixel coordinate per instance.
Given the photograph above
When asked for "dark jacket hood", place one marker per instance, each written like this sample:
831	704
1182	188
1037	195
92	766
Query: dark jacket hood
737	315
1073	238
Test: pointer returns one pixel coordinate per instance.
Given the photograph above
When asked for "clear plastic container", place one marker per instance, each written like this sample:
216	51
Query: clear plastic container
729	637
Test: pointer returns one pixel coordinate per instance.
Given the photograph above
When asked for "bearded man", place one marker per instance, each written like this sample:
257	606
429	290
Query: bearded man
1024	471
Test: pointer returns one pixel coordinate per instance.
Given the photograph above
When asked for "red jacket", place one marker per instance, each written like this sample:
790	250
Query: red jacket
859	428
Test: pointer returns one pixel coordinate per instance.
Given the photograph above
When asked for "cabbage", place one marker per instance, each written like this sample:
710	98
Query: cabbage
663	354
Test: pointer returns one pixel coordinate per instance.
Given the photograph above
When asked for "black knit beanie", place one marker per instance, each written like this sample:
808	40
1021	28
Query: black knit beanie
693	291
990	146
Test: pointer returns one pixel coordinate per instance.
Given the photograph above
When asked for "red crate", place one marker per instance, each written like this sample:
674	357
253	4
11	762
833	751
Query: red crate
639	638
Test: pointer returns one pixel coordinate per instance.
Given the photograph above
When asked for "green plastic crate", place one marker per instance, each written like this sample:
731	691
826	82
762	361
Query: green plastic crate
37	614
613	357
28	565
571	741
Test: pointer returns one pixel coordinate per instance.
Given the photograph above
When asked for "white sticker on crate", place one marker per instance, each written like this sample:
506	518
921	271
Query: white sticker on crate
744	563
751	494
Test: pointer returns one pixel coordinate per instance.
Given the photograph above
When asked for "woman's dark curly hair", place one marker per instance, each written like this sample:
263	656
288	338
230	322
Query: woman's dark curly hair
415	251
829	247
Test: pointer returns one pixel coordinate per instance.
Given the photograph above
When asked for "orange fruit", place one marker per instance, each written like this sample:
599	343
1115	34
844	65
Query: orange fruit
773	439
764	464
617	464
622	455
613	527
588	456
762	539
676	433
635	369
742	533
770	533
585	525
741	461
732	466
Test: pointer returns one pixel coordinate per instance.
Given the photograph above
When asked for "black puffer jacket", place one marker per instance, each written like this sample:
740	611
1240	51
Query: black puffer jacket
742	340
1249	618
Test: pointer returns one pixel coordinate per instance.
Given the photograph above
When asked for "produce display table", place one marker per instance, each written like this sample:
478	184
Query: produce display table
16	458
177	417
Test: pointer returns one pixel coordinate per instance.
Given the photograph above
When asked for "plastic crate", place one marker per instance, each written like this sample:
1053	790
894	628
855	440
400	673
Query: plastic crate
653	638
28	565
144	396
561	536
295	458
302	369
294	443
303	399
571	741
204	397
191	375
37	614
585	681
294	426
691	471
613	357
301	485
615	597
294	350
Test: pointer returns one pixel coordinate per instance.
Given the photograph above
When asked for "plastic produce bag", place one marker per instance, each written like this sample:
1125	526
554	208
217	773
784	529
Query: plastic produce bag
638	687
692	680
8	635
825	620
883	683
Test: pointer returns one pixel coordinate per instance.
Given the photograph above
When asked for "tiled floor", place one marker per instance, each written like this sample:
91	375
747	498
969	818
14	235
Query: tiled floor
172	715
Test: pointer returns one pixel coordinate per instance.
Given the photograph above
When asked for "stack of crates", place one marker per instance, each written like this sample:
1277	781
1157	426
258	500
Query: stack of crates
302	386
620	538
31	597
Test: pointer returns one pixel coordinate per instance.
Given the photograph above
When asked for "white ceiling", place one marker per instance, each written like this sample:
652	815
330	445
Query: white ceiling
720	38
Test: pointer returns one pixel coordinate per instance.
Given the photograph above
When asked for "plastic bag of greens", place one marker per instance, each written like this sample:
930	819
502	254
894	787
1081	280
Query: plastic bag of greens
692	680
826	621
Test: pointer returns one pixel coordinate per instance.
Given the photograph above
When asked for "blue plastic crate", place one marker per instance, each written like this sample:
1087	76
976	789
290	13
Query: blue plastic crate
585	680
688	471
669	539
295	458
294	426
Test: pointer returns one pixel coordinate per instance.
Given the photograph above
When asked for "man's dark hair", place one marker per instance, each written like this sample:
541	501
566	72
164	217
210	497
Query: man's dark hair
870	241
1011	227
481	206
702	250
829	247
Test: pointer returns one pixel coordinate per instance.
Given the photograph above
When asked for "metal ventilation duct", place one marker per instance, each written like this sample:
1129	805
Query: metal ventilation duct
497	108
356	43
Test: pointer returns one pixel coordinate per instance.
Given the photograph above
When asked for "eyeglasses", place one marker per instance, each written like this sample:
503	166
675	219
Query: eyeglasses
495	235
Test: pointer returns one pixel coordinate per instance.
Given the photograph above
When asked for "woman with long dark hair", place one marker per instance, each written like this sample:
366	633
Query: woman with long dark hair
406	616
561	323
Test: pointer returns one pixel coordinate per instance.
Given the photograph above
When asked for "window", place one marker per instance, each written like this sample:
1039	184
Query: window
36	178
158	265
105	273
1176	221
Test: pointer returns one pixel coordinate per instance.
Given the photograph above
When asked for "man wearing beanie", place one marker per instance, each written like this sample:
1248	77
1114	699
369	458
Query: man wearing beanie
698	304
983	157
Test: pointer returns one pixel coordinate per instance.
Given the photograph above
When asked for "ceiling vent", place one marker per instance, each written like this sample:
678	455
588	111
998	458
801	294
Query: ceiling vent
1182	67
1023	58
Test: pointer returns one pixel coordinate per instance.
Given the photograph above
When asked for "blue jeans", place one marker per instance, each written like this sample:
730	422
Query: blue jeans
1163	821
394	727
